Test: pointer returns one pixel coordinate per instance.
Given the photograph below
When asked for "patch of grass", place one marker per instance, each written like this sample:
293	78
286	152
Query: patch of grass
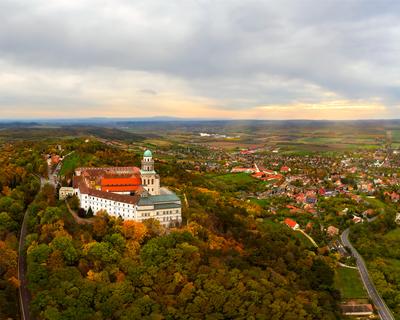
272	224
236	178
260	202
71	162
376	203
393	235
349	283
233	182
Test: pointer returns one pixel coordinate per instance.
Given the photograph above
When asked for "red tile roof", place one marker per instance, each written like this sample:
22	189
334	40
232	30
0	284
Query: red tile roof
290	223
120	188
79	182
258	174
121	181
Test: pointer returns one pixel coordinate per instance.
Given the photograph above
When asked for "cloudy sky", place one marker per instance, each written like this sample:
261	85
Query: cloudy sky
200	58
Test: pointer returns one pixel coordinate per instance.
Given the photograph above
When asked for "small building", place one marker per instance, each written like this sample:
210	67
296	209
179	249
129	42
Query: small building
291	224
354	309
285	169
65	192
242	170
357	219
397	219
332	231
368	213
55	159
311	200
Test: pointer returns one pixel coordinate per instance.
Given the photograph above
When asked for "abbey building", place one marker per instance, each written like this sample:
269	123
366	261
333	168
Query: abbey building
127	192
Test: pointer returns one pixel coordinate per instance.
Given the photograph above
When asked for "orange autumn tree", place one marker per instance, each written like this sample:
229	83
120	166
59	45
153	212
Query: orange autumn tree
134	230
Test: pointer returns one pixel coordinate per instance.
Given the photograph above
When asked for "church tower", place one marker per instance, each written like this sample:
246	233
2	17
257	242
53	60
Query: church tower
150	179
147	162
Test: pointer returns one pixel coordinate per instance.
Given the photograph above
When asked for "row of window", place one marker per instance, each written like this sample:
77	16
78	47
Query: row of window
148	181
159	213
101	201
126	210
169	218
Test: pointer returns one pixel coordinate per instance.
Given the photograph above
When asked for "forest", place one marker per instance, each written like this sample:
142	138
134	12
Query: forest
20	164
215	268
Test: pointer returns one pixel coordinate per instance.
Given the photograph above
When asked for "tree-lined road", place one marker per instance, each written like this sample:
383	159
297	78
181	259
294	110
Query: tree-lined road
24	295
383	310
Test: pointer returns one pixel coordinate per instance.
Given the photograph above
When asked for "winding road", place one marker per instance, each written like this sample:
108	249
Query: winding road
383	310
24	295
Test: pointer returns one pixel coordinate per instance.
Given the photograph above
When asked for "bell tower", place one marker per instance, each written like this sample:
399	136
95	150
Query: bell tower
150	179
147	161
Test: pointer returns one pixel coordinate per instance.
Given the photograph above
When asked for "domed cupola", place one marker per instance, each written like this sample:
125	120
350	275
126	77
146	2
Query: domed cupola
147	162
147	154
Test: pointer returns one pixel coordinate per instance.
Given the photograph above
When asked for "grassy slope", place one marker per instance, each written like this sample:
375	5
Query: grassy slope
349	283
71	162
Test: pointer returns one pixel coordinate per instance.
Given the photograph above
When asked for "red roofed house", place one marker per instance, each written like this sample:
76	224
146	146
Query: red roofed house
301	197
55	159
285	169
293	209
395	196
240	170
258	175
291	223
270	177
332	231
357	219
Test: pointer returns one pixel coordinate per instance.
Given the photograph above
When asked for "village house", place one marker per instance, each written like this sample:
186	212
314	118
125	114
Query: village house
291	224
332	231
355	310
397	219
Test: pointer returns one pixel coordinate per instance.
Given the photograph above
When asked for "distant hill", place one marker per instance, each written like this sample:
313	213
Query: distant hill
35	132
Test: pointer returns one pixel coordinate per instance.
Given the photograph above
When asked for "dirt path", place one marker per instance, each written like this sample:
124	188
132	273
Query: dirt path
78	219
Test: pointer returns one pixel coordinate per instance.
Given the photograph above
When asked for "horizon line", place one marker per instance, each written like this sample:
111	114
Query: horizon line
179	119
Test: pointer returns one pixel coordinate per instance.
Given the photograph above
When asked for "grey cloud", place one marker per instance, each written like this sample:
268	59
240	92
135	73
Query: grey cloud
242	53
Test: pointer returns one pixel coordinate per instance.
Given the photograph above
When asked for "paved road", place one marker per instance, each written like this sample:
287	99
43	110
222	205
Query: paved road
24	295
383	311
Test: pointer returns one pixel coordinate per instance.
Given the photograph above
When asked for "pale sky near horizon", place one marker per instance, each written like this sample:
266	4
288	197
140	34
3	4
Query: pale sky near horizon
200	58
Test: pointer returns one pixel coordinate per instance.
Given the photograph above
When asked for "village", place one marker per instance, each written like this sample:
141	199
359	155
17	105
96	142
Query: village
309	191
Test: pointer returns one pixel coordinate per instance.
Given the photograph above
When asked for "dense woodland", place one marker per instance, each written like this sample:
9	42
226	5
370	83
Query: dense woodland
20	164
222	267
